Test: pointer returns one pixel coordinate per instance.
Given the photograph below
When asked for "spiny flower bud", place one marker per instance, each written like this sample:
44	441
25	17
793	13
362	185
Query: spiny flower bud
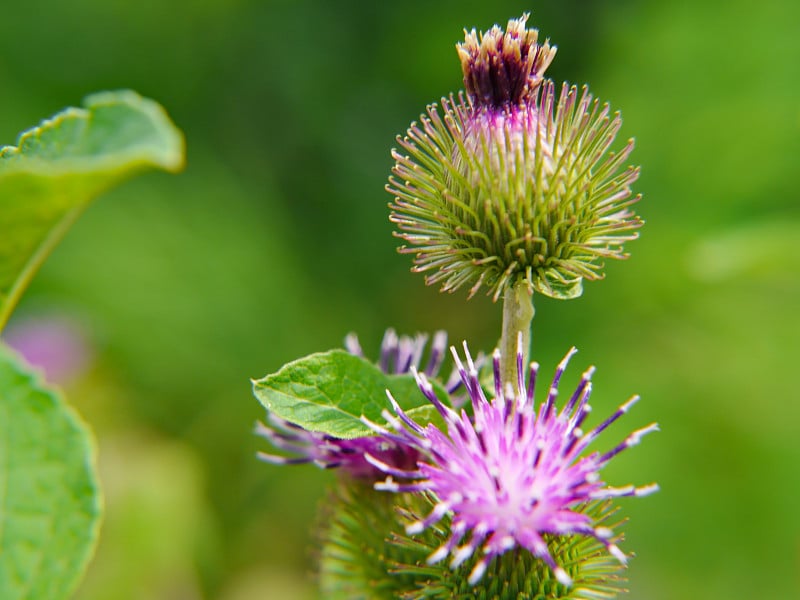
514	180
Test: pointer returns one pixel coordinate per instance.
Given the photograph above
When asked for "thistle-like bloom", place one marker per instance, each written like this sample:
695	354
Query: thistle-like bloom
398	355
514	181
510	473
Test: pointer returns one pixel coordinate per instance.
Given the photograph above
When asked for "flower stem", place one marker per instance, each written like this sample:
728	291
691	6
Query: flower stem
517	317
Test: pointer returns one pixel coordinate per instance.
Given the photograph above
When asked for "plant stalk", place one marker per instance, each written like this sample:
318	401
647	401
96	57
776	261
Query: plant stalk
517	317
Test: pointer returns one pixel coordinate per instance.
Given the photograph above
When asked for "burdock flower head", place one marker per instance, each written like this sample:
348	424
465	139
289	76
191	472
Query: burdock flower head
514	182
510	474
398	355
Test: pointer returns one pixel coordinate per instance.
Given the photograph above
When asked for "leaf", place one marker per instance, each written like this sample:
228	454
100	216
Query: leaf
426	415
764	249
58	167
551	283
329	391
49	498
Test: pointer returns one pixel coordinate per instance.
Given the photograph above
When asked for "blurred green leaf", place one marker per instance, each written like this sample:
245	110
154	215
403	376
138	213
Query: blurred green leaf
752	250
59	166
49	497
328	392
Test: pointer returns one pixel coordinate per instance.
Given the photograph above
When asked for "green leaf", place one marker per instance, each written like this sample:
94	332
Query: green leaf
329	391
58	167
552	284
426	415
49	498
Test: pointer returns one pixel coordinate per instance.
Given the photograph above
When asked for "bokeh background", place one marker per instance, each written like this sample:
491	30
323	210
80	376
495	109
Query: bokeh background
274	243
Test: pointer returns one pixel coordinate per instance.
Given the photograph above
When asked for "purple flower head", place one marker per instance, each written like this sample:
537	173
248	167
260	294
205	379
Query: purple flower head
329	452
510	473
513	180
399	355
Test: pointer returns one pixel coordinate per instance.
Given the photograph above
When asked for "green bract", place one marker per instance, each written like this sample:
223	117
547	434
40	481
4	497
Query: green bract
367	554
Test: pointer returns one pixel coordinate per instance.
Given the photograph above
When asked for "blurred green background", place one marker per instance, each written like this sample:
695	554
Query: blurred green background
275	243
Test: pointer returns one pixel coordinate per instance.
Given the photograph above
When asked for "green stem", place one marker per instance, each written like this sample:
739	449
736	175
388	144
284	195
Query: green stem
44	249
517	317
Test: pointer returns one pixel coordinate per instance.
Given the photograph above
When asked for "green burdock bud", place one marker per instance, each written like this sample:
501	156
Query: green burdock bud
513	182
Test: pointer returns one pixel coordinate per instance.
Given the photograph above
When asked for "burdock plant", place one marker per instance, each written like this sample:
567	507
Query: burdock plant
473	487
514	186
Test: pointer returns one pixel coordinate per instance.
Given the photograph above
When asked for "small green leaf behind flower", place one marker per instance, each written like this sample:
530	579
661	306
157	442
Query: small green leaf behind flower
328	392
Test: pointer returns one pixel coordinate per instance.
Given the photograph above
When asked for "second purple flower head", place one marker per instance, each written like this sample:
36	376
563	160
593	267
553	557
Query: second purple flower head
511	472
398	355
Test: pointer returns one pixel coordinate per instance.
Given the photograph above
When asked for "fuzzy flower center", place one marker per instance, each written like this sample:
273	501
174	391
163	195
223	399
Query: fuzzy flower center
503	67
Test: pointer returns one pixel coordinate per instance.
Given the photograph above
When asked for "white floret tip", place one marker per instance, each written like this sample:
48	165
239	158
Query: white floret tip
562	577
